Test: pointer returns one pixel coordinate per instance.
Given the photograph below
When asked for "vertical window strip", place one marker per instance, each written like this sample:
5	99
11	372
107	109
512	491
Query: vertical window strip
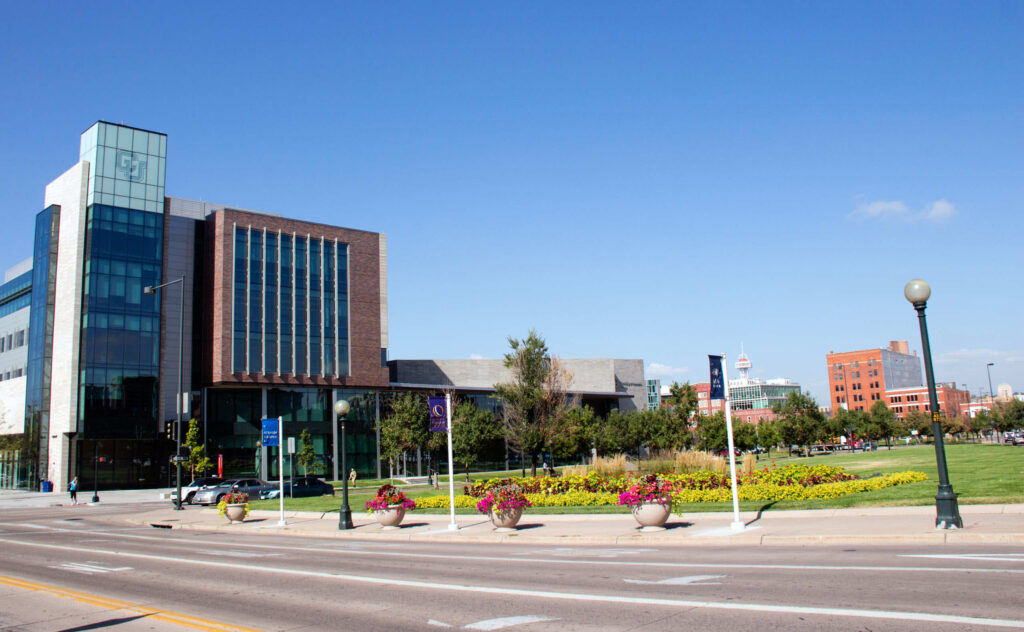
337	344
234	262
294	240
263	308
277	310
248	265
309	337
323	339
348	322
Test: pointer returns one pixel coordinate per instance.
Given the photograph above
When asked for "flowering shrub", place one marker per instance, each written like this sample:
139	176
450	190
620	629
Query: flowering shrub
649	489
796	474
787	488
387	497
233	498
502	499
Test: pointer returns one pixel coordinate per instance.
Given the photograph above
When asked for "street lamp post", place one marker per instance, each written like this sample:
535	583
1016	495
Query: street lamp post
95	473
341	408
992	402
151	289
947	513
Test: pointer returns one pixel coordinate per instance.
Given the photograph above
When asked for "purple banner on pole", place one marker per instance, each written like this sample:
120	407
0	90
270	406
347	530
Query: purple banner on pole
438	414
717	383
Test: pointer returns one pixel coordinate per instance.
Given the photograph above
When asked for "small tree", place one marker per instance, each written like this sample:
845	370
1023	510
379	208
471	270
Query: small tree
406	427
472	431
307	455
768	435
198	462
711	434
883	422
799	420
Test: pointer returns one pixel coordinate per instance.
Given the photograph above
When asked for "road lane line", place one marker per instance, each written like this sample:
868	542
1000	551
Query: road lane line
484	558
606	598
113	604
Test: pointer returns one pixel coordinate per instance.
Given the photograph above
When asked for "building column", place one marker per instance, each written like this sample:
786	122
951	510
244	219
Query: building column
263	450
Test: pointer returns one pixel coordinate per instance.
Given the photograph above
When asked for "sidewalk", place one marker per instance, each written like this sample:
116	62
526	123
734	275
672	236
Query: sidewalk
11	498
983	524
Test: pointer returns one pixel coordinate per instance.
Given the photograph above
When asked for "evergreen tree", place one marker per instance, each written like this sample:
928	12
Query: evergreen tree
198	462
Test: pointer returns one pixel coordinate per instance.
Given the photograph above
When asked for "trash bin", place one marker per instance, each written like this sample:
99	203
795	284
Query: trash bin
46	487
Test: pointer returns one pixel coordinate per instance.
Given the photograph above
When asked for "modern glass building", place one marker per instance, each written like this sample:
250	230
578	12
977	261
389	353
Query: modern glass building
281	318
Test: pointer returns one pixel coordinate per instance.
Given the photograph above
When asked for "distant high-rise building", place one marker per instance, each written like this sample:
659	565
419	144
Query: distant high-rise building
857	379
653	393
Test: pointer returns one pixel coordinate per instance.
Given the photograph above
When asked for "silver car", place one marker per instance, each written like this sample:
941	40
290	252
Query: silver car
248	486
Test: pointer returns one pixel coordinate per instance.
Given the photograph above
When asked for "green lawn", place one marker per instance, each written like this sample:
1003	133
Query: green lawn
980	474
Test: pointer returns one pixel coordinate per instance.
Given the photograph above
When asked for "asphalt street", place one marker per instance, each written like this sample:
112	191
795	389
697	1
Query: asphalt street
171	579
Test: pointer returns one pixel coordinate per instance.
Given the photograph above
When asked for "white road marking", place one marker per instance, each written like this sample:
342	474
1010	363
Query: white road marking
570	552
239	553
503	591
438	624
357	549
89	568
987	557
507	622
691	580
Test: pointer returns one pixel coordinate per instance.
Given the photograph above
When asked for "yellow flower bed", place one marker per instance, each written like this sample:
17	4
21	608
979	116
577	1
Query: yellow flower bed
756	491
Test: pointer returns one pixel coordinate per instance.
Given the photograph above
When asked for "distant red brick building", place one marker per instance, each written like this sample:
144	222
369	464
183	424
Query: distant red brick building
953	402
857	379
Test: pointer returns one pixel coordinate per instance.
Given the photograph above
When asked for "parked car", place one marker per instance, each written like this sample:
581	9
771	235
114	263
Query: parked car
188	492
251	487
300	487
1018	439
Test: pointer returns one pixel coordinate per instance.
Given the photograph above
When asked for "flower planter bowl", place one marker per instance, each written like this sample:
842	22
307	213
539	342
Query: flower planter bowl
391	517
506	520
652	515
234	513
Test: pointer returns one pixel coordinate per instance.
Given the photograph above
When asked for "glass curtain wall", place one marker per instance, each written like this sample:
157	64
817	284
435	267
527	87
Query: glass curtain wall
34	450
290	305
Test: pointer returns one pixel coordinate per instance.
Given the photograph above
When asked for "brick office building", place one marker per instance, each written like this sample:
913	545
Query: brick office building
857	379
953	402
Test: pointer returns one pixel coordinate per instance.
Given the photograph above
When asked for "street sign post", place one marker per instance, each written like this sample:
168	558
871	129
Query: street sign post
273	430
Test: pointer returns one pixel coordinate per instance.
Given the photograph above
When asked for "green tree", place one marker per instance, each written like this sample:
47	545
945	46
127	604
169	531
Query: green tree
472	431
574	434
919	421
710	432
307	455
883	423
405	427
768	436
744	435
683	399
1009	415
198	462
799	420
536	399
665	429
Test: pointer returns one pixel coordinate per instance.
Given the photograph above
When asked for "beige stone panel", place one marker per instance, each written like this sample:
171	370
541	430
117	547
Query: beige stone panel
69	192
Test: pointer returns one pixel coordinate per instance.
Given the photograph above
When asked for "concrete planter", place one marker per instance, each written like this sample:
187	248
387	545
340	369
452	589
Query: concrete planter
391	517
506	520
652	515
234	513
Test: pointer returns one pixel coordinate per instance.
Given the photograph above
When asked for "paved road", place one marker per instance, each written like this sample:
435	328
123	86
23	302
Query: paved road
75	555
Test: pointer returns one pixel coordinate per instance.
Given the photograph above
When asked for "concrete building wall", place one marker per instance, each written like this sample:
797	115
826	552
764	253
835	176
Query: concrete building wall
69	192
12	405
14	359
18	269
600	375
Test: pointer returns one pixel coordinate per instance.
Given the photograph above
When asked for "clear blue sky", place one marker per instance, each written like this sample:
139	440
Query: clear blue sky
655	181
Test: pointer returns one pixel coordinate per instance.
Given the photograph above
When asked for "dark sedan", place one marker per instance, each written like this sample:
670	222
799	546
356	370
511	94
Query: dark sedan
300	487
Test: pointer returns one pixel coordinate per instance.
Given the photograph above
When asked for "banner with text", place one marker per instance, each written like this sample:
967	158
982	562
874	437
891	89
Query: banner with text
717	384
438	414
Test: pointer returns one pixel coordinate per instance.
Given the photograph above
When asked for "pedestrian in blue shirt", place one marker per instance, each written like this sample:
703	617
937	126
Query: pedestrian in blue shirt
73	490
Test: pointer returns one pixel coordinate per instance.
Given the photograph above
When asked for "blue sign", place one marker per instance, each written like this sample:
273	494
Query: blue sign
270	438
717	381
438	414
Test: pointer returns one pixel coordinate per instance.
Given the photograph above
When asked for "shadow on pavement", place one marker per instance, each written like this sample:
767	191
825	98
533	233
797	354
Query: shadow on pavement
104	624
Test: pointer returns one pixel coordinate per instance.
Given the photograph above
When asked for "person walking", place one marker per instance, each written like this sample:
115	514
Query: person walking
73	490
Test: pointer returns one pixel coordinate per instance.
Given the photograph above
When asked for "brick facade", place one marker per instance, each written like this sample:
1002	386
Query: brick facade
364	288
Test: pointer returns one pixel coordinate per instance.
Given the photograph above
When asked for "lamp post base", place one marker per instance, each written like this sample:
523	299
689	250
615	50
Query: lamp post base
947	512
345	519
